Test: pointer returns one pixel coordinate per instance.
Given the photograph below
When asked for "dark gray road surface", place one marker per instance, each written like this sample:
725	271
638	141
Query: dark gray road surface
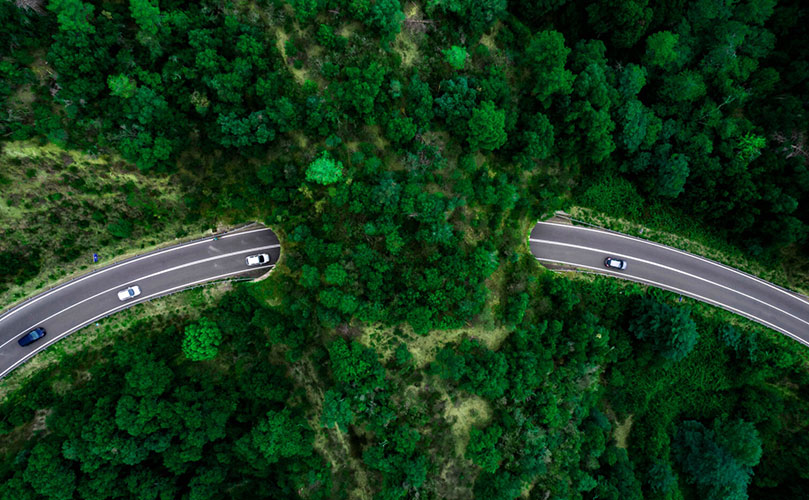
675	270
80	302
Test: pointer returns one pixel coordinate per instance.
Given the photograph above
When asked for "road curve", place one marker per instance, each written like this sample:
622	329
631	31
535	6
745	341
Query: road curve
675	270
84	300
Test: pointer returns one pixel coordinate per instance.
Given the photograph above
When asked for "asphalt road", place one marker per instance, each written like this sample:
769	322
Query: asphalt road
82	301
675	270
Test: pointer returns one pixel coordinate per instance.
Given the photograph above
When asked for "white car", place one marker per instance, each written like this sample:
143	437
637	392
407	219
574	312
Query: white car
132	291
257	260
615	263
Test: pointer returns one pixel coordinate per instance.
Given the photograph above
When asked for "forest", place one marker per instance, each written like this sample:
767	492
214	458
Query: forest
407	345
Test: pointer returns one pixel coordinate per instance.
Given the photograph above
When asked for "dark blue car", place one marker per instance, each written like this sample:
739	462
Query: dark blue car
32	336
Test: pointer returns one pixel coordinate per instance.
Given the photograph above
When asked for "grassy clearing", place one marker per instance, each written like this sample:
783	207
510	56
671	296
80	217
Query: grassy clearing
58	206
406	42
348	29
464	413
621	432
425	347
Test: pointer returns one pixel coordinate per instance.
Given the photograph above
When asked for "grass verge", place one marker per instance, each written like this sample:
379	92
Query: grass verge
58	207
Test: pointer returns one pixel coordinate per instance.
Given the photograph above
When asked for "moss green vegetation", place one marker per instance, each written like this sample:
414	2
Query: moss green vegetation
407	345
58	207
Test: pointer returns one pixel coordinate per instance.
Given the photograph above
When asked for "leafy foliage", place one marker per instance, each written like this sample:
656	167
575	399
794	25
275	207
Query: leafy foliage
324	170
201	340
718	460
436	137
455	56
487	127
670	330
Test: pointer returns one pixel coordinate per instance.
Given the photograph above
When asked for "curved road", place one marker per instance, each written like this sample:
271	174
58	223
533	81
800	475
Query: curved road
675	270
77	303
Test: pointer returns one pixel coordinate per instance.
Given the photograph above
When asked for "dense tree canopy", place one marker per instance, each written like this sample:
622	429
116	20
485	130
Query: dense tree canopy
406	345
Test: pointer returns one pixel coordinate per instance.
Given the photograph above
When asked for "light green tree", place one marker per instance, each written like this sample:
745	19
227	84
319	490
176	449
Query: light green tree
455	56
324	170
122	86
750	146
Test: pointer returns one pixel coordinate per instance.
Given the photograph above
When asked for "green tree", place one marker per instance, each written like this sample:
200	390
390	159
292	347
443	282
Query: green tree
400	129
477	15
279	435
146	14
310	276
355	364
482	447
455	56
324	170
73	16
201	340
670	330
661	50
336	411
48	472
662	479
386	16
335	274
719	461
625	21
546	56
539	137
122	86
419	101
362	86
687	85
305	10
487	127
672	174
750	146
456	104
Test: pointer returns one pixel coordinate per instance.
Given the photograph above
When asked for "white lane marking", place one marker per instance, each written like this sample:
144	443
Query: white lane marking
187	264
637	259
683	292
114	310
122	264
794	295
